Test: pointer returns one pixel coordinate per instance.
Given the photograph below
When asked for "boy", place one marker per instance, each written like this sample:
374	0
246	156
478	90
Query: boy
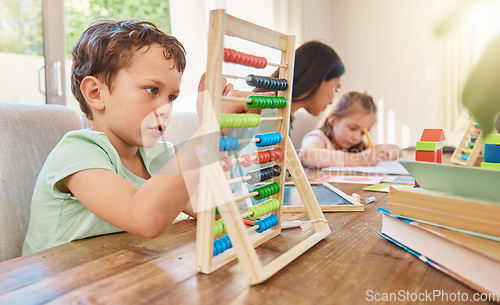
126	75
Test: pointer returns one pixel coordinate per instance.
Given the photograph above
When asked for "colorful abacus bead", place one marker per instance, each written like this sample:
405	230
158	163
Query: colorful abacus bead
268	139
236	57
247	160
219	227
245	120
266	102
265	156
266	223
267	83
264	208
266	190
264	174
222	244
226	163
228	144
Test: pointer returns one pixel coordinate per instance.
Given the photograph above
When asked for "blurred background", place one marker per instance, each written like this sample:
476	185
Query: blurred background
412	56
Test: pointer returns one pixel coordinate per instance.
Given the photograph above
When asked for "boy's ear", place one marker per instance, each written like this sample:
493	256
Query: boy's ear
91	89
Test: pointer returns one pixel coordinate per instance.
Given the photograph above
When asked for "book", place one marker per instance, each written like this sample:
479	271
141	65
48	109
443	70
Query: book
440	208
468	182
472	260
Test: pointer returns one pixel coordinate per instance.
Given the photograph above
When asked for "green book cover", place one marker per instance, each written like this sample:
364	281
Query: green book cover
462	181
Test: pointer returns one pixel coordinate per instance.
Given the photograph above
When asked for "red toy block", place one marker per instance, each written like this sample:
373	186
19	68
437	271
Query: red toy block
432	135
427	156
439	153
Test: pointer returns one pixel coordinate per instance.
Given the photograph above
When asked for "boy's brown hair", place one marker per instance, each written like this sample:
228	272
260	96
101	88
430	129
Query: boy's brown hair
107	46
349	102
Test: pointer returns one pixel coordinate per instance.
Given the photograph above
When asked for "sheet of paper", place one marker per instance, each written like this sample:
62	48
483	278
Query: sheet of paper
399	179
382	168
352	179
456	180
383	187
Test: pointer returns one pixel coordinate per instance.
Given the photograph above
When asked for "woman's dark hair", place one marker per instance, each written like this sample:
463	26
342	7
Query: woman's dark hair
315	62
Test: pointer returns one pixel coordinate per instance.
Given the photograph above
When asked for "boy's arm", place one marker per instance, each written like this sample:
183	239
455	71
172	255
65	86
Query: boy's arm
146	211
150	209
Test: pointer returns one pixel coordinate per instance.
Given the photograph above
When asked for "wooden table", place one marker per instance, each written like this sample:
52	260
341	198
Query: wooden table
126	269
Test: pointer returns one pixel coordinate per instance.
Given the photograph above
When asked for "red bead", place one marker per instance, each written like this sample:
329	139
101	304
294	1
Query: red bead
227	54
226	163
255	157
247	160
253	61
273	155
236	57
263	62
280	154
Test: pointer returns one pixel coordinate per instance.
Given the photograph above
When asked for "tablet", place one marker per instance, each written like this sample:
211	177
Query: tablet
330	199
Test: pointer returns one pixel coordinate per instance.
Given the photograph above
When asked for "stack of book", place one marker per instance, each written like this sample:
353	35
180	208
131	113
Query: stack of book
456	234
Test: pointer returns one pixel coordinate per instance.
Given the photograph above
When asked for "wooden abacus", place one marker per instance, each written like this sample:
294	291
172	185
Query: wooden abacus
214	187
470	147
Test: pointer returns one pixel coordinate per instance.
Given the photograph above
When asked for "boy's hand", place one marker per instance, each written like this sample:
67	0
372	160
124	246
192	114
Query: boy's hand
228	90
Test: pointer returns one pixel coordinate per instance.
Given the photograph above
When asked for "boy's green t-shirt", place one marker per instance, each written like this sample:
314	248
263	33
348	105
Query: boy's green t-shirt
58	217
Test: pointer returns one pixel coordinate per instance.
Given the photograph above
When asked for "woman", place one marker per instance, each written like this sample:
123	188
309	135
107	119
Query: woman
316	78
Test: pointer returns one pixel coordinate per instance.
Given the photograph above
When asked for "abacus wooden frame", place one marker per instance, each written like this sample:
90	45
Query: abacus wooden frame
476	150
213	186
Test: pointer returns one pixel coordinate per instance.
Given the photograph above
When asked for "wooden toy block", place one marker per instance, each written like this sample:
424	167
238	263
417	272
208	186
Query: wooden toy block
492	153
213	251
492	139
432	135
490	165
426	156
430	145
467	152
439	156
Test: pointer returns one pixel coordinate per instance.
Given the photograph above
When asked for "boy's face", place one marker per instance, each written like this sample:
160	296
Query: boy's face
139	107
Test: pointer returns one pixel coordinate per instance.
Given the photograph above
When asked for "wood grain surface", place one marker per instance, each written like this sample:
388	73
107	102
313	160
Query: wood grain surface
125	269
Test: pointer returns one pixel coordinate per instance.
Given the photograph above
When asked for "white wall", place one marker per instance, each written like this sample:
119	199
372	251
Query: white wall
389	49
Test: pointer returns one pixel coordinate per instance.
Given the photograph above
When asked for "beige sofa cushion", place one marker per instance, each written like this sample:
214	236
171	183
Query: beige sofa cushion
28	133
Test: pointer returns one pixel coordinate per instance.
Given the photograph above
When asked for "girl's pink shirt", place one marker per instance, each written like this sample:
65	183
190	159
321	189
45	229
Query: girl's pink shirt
318	151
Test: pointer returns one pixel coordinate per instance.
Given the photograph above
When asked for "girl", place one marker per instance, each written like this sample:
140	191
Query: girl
340	141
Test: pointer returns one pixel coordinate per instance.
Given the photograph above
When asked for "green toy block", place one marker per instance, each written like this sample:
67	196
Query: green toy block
492	139
490	165
429	145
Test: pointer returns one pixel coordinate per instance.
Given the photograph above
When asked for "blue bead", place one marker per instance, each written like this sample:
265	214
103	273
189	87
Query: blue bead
222	144
261	228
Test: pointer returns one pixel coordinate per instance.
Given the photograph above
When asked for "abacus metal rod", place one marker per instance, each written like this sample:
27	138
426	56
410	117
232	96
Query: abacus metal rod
236	99
271	118
249	140
246	196
237	76
277	65
238	179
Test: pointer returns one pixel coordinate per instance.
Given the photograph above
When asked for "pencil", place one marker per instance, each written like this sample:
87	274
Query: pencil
368	138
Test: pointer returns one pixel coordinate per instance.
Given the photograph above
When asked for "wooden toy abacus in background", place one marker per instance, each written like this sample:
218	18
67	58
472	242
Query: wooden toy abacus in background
470	147
213	251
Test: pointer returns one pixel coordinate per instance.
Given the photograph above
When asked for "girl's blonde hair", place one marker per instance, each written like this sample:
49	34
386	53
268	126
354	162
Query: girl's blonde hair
345	107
